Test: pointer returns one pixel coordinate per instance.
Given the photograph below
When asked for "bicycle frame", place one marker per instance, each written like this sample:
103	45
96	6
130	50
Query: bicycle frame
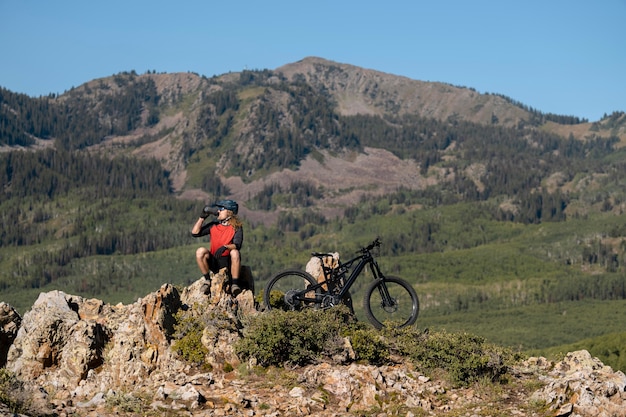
366	258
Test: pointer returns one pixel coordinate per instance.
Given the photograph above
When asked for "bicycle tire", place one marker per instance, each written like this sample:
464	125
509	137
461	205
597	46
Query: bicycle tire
403	313
280	289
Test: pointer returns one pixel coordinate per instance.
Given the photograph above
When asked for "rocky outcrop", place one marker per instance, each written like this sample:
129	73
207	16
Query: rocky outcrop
85	357
582	385
10	322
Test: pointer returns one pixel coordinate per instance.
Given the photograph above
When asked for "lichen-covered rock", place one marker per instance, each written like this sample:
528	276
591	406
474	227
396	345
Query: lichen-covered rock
52	337
581	385
80	348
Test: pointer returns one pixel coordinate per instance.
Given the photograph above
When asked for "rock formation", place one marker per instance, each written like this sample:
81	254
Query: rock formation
77	356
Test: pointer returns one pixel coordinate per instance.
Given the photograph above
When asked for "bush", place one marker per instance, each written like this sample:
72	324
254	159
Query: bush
188	333
369	345
124	402
279	337
465	358
11	392
299	338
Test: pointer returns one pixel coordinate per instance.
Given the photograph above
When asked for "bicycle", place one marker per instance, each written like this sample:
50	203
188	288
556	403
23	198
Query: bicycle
389	301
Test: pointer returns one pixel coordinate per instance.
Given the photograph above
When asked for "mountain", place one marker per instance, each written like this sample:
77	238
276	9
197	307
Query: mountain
498	214
362	91
312	123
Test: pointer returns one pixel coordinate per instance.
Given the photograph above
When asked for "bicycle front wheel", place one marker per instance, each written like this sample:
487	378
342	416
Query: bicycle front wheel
288	291
391	302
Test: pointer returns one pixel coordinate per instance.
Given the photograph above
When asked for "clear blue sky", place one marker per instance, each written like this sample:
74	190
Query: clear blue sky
558	56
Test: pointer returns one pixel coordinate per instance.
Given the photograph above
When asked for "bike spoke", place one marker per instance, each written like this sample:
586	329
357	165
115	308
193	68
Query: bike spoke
392	303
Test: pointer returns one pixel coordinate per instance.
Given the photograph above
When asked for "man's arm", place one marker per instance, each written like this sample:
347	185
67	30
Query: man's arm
197	227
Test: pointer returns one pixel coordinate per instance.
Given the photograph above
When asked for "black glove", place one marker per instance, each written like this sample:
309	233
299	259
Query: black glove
220	251
207	211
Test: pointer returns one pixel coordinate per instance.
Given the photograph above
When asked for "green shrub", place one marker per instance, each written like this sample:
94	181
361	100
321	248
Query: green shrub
188	334
279	337
369	345
464	357
299	338
11	393
124	402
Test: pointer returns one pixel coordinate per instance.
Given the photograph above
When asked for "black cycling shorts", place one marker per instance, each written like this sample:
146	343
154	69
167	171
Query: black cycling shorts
216	264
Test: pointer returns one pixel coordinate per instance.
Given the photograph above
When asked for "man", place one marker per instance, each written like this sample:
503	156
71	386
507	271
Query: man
226	234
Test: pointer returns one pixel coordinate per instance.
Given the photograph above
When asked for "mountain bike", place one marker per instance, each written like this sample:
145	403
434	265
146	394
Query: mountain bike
389	301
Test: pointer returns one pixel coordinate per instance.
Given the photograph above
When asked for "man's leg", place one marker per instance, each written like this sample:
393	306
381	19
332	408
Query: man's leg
235	267
202	258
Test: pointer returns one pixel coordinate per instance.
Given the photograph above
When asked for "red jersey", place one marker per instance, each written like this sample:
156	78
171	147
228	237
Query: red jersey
221	235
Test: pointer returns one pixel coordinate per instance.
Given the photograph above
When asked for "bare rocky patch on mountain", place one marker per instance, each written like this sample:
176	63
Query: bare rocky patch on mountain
364	91
344	179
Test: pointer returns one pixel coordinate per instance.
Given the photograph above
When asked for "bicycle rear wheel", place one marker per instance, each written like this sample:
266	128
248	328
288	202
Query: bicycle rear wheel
392	302
287	291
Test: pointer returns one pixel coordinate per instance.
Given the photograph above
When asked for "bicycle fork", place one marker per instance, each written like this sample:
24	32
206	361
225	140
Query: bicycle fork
388	303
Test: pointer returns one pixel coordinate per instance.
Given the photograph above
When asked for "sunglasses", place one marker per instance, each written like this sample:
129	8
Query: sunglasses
221	209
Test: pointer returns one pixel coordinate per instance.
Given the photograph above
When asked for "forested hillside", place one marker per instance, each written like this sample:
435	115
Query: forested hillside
500	215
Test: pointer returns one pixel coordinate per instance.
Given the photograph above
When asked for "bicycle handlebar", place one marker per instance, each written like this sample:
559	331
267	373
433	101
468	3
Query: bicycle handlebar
371	246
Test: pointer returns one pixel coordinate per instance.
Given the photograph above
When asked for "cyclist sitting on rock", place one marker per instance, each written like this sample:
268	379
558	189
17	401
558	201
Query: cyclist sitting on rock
226	234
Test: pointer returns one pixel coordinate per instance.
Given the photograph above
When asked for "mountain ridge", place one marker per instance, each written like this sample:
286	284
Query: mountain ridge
354	90
360	90
245	131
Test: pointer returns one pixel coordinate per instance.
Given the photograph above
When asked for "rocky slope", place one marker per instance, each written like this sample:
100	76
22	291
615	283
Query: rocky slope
365	91
76	356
